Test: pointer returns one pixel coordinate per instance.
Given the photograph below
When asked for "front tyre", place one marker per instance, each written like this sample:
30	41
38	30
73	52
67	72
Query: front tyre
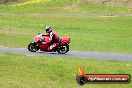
63	49
33	47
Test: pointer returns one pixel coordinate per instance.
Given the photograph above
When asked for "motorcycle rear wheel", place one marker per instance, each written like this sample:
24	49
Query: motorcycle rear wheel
63	49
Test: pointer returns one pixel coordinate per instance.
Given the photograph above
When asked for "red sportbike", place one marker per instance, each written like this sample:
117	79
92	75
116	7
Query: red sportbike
62	48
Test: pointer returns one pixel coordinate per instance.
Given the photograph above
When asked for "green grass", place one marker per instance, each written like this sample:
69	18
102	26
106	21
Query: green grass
67	6
97	34
20	71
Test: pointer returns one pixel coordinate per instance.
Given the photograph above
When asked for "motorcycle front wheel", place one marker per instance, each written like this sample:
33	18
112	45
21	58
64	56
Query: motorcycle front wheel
33	47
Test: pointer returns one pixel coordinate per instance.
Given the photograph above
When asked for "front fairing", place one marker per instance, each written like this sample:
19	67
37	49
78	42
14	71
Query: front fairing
38	38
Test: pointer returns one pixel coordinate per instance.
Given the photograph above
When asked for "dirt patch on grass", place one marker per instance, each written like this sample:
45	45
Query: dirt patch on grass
71	8
130	4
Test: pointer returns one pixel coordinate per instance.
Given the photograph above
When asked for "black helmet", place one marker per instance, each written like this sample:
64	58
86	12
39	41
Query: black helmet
48	29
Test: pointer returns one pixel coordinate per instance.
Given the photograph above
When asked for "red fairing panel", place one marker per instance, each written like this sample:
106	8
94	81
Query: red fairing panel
65	40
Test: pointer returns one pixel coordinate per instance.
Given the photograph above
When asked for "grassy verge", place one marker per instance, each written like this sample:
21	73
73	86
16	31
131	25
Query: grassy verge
20	71
67	6
98	34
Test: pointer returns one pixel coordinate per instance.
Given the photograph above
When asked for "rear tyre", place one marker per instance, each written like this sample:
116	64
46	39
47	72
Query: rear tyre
33	47
63	49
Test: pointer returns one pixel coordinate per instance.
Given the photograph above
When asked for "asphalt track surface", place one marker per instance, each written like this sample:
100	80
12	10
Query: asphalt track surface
75	54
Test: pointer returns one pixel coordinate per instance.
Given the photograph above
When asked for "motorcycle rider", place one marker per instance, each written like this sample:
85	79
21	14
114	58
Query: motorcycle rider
53	37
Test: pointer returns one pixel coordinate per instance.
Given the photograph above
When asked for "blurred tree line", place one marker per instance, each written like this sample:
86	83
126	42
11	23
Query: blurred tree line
8	1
